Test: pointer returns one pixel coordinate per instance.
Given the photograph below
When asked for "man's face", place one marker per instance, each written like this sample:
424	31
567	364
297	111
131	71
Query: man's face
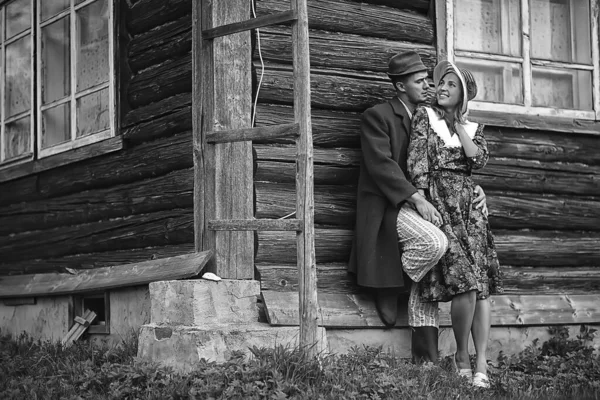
415	86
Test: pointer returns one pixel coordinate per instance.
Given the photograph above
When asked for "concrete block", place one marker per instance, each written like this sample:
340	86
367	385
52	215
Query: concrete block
181	347
198	302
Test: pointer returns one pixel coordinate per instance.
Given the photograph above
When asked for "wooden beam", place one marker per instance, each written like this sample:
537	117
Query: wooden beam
358	310
259	22
307	268
260	133
178	267
256	225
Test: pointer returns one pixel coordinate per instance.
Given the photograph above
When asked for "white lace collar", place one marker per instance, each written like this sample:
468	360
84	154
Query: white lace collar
441	129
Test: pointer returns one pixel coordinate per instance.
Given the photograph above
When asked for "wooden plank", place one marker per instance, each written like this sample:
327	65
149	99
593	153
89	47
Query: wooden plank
358	310
92	260
334	278
79	328
256	225
360	18
517	248
58	160
307	269
178	267
19	302
259	22
260	133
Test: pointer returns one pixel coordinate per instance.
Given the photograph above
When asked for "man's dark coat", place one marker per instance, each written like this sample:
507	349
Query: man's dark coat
382	189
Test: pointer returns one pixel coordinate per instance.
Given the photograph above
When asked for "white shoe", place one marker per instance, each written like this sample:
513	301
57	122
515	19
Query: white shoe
481	380
462	372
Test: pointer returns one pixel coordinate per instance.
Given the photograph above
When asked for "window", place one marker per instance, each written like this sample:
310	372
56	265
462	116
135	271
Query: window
100	304
536	57
57	86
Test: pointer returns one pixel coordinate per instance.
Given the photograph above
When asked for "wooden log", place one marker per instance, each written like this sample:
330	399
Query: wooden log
161	108
250	134
156	229
343	90
164	42
500	174
118	276
422	6
284	17
18	190
330	128
360	18
333	50
342	129
165	192
145	15
334	278
138	162
334	204
93	260
160	82
535	248
358	310
166	125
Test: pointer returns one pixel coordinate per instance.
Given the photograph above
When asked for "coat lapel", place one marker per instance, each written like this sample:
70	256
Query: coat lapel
400	111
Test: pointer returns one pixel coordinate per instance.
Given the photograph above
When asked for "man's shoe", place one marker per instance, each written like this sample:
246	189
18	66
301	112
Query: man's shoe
424	344
386	303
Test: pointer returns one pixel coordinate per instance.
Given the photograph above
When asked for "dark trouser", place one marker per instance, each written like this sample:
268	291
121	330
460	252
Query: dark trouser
424	344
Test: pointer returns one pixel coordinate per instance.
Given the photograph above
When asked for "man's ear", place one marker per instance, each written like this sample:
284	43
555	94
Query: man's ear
399	85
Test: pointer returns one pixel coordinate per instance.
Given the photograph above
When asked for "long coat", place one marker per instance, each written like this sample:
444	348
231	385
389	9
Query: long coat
382	189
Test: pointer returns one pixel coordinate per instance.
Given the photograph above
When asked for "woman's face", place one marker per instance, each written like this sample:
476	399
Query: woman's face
449	91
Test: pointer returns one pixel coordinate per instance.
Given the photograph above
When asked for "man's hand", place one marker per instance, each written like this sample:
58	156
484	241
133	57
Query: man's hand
479	201
426	209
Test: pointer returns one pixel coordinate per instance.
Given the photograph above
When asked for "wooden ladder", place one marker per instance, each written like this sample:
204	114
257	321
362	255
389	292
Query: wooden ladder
303	224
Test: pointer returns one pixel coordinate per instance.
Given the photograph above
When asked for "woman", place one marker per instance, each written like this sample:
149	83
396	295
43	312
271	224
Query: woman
443	150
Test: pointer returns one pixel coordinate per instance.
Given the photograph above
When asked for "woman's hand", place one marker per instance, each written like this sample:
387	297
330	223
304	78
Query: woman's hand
480	200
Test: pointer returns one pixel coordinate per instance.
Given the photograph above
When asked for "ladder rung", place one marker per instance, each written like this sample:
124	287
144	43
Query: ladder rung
255	225
273	19
263	132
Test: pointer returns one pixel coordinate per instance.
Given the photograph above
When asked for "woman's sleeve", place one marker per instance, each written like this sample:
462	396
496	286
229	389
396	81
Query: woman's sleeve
481	158
418	160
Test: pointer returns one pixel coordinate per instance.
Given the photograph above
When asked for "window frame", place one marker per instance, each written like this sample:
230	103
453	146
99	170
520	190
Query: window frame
445	37
37	155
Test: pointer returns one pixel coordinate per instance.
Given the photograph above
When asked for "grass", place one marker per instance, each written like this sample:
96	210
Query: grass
562	368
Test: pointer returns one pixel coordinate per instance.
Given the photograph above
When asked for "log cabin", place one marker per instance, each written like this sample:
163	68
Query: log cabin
98	182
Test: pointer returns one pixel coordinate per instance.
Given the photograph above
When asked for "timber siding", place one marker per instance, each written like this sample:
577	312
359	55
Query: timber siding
128	206
134	205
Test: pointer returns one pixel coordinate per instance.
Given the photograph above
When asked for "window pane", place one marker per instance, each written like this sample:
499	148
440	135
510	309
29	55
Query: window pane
18	76
92	45
18	17
55	61
53	7
560	30
562	88
489	26
92	113
56	125
17	138
497	81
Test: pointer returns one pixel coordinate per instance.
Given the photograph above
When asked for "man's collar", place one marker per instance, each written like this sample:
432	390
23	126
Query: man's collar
410	114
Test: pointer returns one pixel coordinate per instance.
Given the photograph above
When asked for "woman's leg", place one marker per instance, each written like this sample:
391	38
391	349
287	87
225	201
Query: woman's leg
462	311
481	333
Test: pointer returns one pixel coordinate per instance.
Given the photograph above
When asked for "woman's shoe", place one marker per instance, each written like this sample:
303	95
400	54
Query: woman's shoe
462	372
481	380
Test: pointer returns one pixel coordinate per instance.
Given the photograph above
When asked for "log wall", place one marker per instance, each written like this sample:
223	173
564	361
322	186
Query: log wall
542	186
128	206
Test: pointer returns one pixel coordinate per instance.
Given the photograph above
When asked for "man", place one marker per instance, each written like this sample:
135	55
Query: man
395	226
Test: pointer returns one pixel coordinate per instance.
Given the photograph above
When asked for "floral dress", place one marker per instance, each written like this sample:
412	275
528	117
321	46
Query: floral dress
438	164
